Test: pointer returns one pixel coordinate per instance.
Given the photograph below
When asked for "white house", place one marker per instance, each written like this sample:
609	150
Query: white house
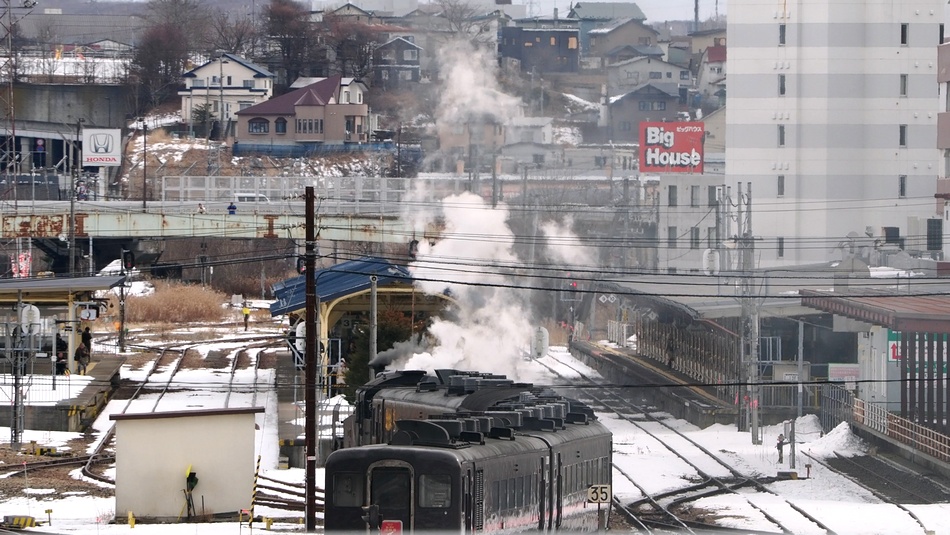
228	82
626	76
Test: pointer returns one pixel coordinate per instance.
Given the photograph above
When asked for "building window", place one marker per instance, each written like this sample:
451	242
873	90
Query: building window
672	196
384	75
781	247
781	84
940	35
684	75
625	126
781	135
904	31
712	196
659	106
197	83
571	43
671	237
258	126
405	74
902	135
538	159
410	55
780	186
781	34
248	84
712	237
346	97
656	75
902	186
694	238
643	105
903	87
280	126
669	74
694	196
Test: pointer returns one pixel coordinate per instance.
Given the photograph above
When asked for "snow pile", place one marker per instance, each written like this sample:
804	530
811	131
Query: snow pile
840	440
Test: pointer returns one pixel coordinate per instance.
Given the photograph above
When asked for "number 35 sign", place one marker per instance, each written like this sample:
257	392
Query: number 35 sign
598	494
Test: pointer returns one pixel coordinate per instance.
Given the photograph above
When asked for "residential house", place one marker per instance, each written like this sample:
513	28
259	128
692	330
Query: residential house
591	15
703	39
530	130
625	76
514	157
541	50
224	85
304	120
351	13
630	36
396	63
650	102
462	144
387	8
711	80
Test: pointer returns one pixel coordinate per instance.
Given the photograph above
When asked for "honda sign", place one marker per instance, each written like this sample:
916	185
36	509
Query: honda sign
101	147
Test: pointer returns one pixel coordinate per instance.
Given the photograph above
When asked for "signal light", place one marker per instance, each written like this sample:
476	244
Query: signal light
301	265
128	260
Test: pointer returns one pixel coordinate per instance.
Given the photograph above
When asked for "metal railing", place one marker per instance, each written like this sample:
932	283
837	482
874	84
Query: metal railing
840	405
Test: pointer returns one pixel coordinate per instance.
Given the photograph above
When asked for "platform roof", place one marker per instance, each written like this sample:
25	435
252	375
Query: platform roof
54	289
338	281
924	310
777	290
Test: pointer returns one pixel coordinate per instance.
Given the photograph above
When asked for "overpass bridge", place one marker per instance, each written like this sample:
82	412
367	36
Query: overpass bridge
110	226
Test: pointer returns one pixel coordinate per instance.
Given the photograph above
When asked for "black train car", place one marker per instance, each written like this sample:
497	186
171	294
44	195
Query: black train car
492	456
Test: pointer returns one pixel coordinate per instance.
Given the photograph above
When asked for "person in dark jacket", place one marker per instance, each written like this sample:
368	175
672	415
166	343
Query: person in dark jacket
86	338
82	358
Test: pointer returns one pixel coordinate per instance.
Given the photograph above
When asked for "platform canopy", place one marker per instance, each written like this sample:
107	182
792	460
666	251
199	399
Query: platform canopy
54	289
338	281
926	312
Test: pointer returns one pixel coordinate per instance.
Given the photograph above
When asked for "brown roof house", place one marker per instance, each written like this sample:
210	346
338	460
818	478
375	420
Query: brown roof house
324	115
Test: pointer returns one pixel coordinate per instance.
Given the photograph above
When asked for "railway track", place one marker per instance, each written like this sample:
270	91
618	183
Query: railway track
668	504
163	376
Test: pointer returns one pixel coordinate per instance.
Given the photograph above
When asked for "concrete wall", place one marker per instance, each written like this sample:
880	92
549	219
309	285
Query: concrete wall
153	454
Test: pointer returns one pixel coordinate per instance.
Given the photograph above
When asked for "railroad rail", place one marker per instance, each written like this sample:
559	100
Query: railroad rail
670	509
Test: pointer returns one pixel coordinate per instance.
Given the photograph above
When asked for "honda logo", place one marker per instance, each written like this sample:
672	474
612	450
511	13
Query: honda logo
102	143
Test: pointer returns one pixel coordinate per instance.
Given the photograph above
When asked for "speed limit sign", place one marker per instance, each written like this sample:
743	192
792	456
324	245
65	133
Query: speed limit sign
598	494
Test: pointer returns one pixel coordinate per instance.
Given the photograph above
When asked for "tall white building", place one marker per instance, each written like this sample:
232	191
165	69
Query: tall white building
832	117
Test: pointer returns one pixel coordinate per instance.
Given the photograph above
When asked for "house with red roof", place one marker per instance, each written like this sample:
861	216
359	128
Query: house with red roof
321	114
711	78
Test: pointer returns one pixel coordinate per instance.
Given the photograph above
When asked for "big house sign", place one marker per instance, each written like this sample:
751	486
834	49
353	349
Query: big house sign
671	147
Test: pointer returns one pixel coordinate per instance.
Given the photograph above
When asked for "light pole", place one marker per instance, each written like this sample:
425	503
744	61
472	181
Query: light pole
225	120
144	162
77	170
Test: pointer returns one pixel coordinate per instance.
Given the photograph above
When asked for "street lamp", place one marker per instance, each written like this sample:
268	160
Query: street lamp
144	162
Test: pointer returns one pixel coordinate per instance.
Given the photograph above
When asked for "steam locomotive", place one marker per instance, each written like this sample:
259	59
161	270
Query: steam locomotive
465	452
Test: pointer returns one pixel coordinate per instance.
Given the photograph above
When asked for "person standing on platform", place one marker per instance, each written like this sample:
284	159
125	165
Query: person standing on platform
86	338
232	209
780	446
247	315
82	358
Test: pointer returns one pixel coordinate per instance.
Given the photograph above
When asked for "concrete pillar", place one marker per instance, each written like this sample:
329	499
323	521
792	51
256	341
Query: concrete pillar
26	155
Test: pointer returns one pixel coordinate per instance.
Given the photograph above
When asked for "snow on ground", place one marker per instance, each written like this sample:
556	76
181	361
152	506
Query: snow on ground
843	506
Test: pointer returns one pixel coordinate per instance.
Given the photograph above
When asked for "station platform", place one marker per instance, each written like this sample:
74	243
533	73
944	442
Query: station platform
64	402
656	384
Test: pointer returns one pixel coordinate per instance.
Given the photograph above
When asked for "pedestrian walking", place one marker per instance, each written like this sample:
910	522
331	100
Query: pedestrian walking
82	358
86	338
780	446
232	209
247	315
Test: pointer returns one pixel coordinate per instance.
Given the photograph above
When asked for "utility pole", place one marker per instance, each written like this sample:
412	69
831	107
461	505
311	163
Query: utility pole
749	354
311	352
72	199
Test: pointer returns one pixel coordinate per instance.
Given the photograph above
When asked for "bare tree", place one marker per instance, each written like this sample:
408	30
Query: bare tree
236	34
353	44
159	61
287	23
466	20
190	16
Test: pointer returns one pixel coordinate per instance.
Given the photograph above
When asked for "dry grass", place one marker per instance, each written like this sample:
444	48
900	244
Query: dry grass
176	303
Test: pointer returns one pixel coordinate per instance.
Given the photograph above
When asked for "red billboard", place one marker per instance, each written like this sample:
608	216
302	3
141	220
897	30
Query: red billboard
671	147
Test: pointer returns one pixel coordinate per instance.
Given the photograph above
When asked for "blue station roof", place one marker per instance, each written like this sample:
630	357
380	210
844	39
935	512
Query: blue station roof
337	281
